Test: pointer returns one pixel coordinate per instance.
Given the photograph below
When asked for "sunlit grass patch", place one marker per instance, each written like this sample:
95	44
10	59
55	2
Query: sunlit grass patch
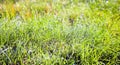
57	32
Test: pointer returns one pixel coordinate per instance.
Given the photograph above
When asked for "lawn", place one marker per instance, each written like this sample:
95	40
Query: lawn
59	32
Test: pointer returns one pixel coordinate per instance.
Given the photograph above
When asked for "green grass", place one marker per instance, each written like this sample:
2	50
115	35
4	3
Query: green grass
60	33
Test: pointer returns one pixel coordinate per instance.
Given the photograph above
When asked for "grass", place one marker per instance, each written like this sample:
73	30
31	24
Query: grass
60	32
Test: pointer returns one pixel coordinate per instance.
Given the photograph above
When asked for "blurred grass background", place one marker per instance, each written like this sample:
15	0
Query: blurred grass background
59	32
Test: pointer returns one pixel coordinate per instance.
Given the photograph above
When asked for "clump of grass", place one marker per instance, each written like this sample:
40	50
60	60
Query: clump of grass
41	33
